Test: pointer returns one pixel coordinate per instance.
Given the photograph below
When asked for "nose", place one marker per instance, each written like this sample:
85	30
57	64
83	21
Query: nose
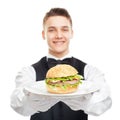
59	35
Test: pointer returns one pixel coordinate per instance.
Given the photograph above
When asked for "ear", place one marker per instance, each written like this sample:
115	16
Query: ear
43	34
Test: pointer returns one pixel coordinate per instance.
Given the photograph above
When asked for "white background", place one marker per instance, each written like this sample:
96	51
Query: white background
96	41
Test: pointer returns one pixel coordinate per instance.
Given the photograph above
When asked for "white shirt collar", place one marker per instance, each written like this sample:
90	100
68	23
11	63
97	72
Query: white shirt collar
54	57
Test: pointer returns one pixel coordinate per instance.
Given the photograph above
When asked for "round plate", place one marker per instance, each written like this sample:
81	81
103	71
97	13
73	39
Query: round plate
40	88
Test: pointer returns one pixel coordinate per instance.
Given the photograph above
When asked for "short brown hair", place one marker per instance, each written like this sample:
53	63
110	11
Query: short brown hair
57	12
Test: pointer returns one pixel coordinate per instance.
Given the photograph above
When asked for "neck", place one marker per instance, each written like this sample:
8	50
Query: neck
59	55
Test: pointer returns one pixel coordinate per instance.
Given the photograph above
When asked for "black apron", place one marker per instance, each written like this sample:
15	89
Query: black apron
60	111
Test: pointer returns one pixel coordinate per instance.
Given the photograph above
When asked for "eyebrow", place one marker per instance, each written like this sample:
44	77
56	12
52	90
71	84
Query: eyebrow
61	27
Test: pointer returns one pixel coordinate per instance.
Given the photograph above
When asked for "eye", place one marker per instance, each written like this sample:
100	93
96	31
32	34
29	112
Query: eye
65	30
51	30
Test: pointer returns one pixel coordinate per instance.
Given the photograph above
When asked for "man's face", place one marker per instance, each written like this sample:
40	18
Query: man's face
58	32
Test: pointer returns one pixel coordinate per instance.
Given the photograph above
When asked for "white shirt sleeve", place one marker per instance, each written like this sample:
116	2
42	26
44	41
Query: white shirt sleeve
100	101
18	98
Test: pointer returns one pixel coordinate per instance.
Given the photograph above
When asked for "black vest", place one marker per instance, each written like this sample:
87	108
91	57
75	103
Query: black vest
59	111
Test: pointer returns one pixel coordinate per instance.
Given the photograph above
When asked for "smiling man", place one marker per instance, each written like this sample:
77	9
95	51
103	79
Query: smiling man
57	30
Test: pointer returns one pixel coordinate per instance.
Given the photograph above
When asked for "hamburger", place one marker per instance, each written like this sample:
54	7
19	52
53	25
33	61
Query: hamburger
62	79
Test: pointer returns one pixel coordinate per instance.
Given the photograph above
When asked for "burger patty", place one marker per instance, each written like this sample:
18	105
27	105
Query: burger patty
60	82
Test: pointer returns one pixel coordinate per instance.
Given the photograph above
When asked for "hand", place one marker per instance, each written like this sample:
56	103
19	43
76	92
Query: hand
77	102
39	102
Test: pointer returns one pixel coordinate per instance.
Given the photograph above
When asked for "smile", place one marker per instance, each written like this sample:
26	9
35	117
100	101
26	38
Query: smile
58	42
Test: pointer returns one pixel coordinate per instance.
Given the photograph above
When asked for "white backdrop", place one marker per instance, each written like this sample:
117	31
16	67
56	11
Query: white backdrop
96	41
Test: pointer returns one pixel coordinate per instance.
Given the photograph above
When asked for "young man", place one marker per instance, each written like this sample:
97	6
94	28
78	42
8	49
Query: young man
57	30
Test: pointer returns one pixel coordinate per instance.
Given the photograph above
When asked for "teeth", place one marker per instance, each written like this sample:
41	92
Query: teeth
59	42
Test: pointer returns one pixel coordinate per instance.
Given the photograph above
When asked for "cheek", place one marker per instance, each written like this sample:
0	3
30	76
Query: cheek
49	42
68	36
50	36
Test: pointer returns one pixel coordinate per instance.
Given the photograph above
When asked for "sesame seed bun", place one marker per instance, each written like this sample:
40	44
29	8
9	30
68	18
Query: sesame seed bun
60	90
61	70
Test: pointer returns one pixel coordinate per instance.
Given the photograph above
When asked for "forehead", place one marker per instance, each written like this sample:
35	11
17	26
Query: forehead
57	21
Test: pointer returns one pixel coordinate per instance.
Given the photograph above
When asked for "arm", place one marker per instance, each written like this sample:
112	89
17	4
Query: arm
100	100
18	99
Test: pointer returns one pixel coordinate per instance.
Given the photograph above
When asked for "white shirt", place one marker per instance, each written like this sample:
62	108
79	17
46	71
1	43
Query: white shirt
94	104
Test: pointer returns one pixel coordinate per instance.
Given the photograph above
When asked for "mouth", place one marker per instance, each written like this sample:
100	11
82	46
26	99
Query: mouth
58	42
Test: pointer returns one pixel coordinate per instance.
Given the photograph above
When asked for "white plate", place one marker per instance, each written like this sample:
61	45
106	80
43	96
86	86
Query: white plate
40	88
